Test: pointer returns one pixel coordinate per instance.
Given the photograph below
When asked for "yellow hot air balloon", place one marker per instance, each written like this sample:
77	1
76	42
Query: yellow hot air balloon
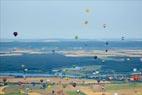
49	86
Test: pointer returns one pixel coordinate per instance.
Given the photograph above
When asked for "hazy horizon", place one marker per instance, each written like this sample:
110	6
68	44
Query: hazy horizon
64	39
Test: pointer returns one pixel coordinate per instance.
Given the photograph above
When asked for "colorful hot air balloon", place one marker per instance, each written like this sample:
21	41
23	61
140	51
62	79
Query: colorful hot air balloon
49	86
135	77
15	33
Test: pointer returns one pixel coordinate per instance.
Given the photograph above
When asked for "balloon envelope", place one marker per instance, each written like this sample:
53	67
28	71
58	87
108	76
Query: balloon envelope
15	34
122	38
95	57
106	43
106	50
104	25
86	22
74	84
53	51
98	81
22	66
87	10
76	37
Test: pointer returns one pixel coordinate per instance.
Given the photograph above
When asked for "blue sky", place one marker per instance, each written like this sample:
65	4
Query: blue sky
51	19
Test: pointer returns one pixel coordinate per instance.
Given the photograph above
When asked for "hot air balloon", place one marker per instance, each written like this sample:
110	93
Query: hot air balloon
15	33
41	80
97	72
20	83
136	77
78	91
76	37
4	81
128	59
122	38
106	43
95	57
22	66
106	50
25	70
115	94
74	66
53	51
64	85
74	84
134	70
86	22
103	61
53	91
104	25
87	11
98	81
49	86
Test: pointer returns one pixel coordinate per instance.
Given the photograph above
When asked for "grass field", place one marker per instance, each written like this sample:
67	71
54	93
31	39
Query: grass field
123	86
75	93
130	88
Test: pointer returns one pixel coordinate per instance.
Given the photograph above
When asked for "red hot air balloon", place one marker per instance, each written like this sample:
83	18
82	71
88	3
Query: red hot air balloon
136	77
15	34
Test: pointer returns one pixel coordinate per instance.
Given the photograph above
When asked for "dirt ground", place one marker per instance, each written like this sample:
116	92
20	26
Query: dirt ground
88	87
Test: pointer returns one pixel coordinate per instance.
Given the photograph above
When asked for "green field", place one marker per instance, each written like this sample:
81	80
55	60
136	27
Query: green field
13	89
74	93
123	86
